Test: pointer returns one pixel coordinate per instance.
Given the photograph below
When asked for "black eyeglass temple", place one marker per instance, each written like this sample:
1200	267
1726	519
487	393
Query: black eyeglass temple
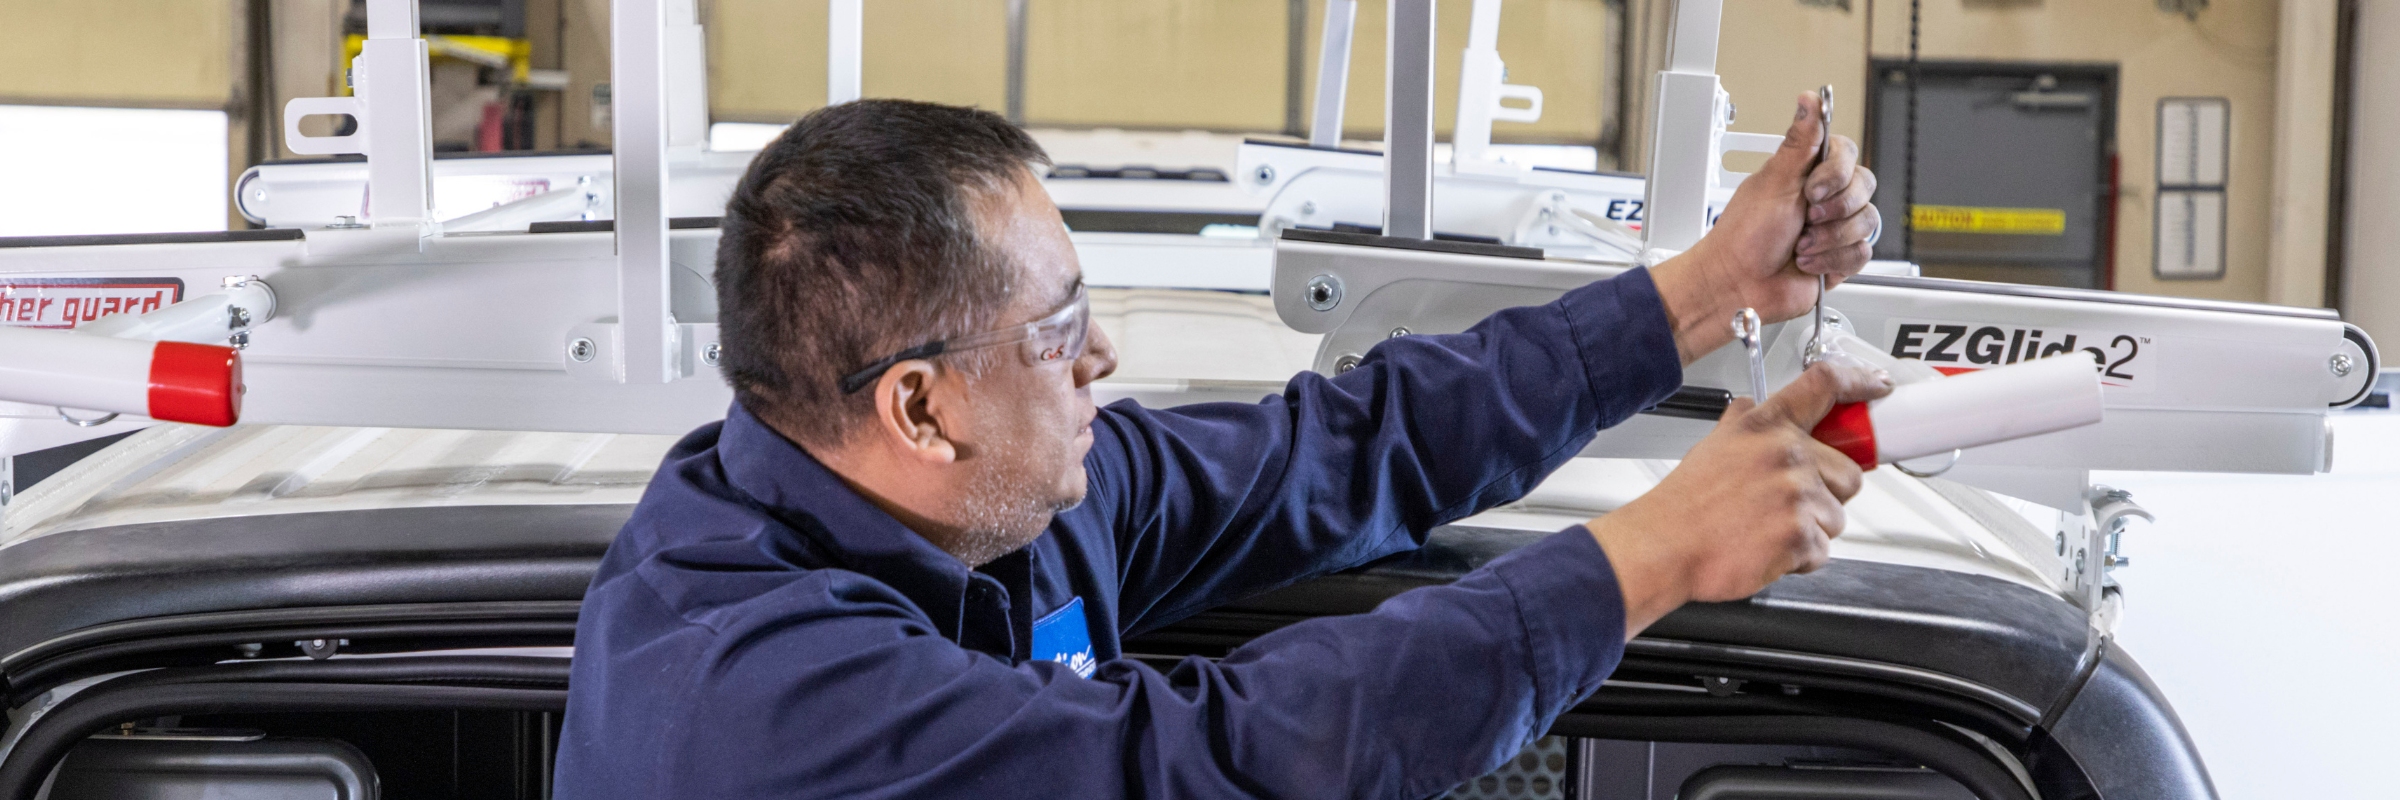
855	381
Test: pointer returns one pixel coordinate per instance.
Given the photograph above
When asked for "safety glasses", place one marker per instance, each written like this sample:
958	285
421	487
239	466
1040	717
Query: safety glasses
1052	339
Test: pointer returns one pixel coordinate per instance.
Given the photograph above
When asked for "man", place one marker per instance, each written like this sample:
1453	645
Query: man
902	565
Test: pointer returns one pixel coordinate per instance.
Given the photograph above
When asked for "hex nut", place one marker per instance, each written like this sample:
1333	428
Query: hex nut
1323	292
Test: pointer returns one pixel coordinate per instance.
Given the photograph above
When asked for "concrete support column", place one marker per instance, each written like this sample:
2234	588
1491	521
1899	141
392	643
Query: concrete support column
2304	88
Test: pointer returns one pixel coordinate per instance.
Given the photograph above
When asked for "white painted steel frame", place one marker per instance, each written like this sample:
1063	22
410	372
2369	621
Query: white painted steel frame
1333	72
638	110
2238	388
1408	120
845	49
389	327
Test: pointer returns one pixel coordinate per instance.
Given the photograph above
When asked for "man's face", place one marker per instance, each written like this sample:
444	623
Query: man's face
1029	425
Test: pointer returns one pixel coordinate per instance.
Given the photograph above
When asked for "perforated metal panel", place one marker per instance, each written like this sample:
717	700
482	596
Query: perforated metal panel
1539	772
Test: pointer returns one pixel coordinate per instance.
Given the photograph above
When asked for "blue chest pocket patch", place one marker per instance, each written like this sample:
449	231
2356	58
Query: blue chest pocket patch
1063	637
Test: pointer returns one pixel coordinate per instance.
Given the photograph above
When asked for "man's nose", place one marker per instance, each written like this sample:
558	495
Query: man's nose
1099	358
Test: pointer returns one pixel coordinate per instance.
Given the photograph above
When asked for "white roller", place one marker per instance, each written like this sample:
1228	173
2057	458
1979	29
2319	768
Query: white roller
1969	409
172	381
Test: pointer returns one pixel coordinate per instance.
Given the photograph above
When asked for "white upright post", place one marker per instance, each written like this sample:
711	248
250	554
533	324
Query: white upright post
639	106
1684	131
1482	84
687	76
1333	72
395	85
1408	121
845	31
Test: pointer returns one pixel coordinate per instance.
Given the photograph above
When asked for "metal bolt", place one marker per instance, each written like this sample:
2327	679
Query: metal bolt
1348	362
1308	208
582	350
240	340
2341	364
1265	174
1397	333
709	354
346	221
1324	292
2062	543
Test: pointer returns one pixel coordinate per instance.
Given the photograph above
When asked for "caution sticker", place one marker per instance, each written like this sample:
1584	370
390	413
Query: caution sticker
1974	219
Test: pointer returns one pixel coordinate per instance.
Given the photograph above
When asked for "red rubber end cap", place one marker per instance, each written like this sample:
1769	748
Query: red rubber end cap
196	383
1846	428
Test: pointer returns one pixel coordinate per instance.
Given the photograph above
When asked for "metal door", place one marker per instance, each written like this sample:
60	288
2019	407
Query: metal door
2012	170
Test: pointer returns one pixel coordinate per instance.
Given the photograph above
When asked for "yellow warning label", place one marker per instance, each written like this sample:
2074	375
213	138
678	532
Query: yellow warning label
1970	219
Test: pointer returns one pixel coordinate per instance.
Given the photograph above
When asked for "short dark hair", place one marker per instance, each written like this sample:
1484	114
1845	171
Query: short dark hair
851	237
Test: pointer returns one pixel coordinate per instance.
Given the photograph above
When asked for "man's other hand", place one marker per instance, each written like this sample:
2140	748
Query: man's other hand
1755	500
1797	217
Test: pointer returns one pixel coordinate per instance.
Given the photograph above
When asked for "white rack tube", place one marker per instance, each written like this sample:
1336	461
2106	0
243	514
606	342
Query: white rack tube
1970	409
169	381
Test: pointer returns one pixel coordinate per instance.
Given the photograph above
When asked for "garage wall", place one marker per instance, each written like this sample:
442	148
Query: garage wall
1215	64
168	54
2227	51
1561	46
766	58
1773	49
127	53
1160	64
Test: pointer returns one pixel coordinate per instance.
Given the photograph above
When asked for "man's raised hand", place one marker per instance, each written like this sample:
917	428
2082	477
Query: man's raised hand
1797	217
1755	500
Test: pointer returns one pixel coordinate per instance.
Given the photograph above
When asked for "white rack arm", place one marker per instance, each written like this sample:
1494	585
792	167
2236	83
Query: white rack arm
170	381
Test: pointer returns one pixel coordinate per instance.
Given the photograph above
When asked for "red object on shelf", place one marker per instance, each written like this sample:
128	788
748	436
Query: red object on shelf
488	129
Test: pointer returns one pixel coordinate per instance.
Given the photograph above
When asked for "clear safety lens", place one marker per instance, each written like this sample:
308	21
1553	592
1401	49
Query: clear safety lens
1060	336
1051	339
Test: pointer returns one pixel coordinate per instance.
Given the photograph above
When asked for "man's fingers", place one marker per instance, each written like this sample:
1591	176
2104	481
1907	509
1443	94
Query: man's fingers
1841	475
1805	401
1857	188
1736	410
1815	547
1837	265
1788	168
1834	174
1826	237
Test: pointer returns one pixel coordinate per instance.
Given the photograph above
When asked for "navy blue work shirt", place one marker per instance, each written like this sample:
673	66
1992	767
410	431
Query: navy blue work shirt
759	630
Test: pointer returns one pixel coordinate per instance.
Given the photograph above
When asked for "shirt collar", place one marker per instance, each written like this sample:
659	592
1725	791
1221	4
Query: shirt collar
800	490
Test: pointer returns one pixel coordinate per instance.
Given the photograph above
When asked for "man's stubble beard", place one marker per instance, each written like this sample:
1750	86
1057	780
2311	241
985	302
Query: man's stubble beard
1004	508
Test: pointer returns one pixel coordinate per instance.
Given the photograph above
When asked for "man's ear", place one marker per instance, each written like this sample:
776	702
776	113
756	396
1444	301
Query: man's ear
905	415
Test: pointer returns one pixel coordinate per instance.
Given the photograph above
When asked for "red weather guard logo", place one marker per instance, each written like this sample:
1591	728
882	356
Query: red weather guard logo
69	302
